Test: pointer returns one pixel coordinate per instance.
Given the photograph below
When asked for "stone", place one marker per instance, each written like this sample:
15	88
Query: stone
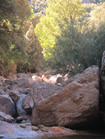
76	105
88	75
40	90
7	105
6	117
26	91
14	131
23	75
9	82
2	92
21	118
14	95
24	82
12	77
19	107
43	128
23	126
35	128
28	103
1	80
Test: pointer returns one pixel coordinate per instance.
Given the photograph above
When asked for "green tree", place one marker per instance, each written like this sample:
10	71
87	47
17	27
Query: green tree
80	46
57	16
13	14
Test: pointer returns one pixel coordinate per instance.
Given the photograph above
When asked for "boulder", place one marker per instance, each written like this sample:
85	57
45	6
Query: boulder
2	92
12	77
88	75
28	104
7	105
19	107
6	117
23	75
40	90
21	118
75	105
25	91
24	82
1	80
8	84
14	95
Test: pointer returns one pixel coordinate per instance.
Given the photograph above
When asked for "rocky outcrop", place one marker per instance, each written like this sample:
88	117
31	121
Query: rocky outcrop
7	105
75	105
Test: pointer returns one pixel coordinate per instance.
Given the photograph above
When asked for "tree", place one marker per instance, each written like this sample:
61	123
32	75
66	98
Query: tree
79	47
38	6
57	16
13	15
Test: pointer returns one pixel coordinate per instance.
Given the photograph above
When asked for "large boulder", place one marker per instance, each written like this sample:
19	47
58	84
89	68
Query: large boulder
40	91
7	105
75	105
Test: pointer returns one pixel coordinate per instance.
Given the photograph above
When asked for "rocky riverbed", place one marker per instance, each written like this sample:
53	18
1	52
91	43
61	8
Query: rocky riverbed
33	106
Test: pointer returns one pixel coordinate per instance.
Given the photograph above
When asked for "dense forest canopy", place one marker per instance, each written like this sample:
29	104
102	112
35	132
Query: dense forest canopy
51	34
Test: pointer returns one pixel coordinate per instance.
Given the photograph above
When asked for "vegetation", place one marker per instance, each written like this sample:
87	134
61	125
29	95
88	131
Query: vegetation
74	41
70	35
38	6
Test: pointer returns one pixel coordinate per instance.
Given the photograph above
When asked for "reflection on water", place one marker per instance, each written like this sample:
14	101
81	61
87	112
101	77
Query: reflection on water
82	137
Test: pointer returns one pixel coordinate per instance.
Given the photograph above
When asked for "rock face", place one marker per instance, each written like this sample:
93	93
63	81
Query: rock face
75	105
102	88
7	105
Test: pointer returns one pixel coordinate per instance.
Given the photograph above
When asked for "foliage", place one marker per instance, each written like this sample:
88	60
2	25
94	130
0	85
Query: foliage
13	16
57	16
38	6
72	45
33	51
